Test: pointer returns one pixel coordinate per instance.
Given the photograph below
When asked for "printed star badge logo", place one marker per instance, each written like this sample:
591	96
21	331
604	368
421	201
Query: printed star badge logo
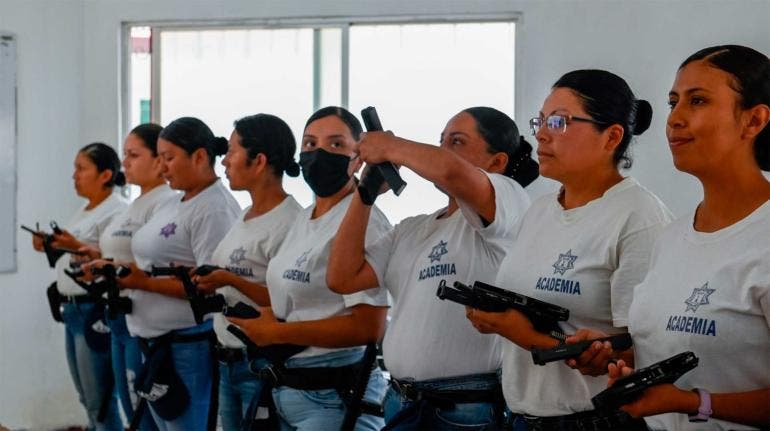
301	259
700	296
237	255
438	251
564	262
168	230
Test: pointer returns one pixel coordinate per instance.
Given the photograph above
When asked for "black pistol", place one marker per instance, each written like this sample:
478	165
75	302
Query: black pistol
52	254
627	389
375	176
276	354
543	315
116	304
201	303
568	351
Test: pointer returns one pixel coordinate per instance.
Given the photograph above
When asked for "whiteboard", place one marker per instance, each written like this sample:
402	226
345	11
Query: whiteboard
8	226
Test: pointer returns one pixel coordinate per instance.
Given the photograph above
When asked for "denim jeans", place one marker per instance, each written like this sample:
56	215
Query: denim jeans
460	416
194	365
90	369
126	362
237	388
324	409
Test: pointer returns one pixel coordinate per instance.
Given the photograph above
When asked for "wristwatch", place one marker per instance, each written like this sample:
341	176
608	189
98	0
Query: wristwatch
704	409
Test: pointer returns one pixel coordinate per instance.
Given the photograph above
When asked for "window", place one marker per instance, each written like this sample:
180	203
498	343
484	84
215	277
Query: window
418	75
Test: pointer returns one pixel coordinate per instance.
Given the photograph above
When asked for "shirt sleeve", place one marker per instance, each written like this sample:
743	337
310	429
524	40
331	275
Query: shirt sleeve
378	228
511	202
206	232
379	252
634	254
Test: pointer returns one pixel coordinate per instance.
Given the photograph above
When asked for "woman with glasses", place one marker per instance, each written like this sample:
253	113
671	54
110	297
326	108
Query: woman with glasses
708	288
583	248
444	373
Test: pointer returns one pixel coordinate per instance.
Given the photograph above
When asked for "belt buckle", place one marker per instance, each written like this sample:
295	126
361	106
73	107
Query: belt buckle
407	390
270	374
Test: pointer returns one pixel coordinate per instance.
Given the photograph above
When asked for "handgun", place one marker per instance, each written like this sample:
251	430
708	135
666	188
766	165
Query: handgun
201	303
276	354
52	254
384	172
627	389
543	315
116	304
568	351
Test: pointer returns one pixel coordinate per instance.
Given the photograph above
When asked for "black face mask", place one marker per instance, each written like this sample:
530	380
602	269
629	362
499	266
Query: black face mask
326	173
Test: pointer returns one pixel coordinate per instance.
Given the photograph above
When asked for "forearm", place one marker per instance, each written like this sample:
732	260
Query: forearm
254	291
347	258
751	408
450	172
529	339
340	331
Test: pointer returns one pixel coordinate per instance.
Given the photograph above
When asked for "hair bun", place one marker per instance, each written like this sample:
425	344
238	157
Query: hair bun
292	169
220	146
120	179
643	116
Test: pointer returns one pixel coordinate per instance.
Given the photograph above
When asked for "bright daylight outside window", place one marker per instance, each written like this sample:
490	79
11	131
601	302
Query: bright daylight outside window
417	75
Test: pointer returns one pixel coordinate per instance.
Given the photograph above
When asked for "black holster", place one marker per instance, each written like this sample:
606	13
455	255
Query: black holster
54	302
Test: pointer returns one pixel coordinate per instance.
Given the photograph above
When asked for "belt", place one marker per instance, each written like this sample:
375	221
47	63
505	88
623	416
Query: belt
229	355
79	299
416	390
586	421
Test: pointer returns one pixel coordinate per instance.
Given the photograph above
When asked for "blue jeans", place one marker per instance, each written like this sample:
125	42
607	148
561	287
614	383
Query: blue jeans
90	369
237	388
126	362
194	365
324	409
460	416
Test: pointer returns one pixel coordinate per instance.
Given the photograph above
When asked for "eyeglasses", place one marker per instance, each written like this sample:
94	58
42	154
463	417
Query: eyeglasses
557	123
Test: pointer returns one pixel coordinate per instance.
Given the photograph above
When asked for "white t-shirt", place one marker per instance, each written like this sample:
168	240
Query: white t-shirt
183	233
429	338
246	250
115	240
708	293
86	226
296	276
588	260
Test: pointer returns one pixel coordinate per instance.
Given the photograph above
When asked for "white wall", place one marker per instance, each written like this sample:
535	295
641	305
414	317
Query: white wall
35	388
69	87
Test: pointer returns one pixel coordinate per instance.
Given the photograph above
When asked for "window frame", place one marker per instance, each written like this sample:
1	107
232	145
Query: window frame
317	24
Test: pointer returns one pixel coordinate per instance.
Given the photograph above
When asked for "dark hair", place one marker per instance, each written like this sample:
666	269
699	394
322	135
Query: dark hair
502	136
271	136
607	98
191	133
104	157
750	70
148	133
343	114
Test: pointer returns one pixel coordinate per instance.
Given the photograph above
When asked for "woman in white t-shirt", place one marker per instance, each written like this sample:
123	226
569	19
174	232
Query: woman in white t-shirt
184	232
261	149
335	327
97	172
583	248
442	370
708	289
142	167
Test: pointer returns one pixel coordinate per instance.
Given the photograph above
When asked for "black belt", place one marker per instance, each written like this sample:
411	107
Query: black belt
586	421
229	355
415	391
80	299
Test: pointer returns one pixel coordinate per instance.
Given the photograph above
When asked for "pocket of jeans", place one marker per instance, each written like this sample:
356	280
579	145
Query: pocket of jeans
452	419
326	398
